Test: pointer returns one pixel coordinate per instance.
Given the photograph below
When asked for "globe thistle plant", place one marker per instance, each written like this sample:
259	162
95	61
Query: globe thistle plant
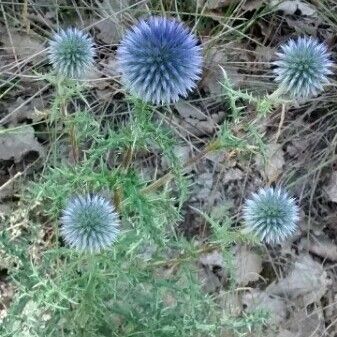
89	223
159	60
271	215
303	67
71	53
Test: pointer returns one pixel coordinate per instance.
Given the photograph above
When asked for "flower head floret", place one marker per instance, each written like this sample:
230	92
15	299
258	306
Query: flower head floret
89	223
271	215
303	67
160	60
71	53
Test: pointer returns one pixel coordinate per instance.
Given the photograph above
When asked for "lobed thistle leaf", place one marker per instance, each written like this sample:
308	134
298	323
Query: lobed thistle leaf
159	60
303	67
71	53
89	223
271	215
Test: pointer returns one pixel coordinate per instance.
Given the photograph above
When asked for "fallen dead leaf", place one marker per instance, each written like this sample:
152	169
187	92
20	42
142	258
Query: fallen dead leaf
110	32
306	324
212	259
330	310
211	271
198	127
204	184
210	282
110	66
188	110
230	302
283	333
331	188
22	44
213	76
321	246
111	26
232	174
17	143
271	165
306	283
248	265
250	5
214	4
19	111
9	186
275	305
265	53
6	295
290	7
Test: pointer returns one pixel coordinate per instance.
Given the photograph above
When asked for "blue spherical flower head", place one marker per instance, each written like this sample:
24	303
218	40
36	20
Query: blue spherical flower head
71	53
159	60
271	215
303	67
89	223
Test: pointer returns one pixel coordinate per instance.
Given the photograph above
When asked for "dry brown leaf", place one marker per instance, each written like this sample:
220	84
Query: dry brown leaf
275	305
291	6
23	45
198	127
110	66
6	295
265	53
248	265
306	26
15	144
213	76
111	27
331	188
204	184
307	324
283	333
110	32
232	174
8	188
330	310
306	283
208	263
321	246
212	259
20	111
230	302
250	5
214	4
210	282
271	165
188	110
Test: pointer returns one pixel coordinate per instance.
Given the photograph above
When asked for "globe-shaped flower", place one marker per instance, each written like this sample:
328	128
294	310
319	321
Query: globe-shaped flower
159	60
303	67
89	223
71	53
271	215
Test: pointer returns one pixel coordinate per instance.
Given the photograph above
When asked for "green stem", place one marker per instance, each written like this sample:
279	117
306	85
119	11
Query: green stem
275	96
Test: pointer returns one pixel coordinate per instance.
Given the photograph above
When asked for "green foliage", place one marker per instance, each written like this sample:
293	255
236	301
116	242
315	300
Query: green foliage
145	285
263	105
125	290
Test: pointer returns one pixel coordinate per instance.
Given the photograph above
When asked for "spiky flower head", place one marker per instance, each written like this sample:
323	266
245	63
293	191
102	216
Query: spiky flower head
71	53
303	67
271	215
89	223
159	60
